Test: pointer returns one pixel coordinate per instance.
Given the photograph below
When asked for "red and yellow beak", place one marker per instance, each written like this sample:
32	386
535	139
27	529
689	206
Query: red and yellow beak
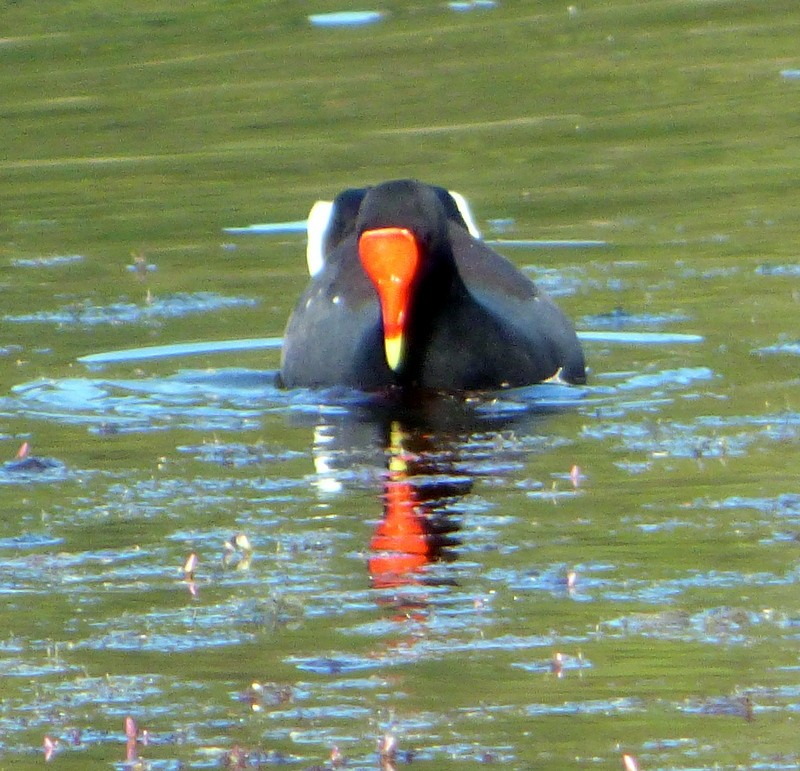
390	257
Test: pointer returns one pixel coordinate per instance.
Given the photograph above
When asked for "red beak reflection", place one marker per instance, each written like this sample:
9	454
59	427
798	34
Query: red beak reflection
414	533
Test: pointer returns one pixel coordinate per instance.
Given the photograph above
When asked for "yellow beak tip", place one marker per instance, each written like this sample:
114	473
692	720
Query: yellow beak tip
394	352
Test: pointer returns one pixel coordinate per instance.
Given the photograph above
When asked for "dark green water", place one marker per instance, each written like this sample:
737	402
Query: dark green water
666	129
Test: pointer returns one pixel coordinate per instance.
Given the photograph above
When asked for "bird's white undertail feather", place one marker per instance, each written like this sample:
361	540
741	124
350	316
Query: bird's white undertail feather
466	213
319	222
317	225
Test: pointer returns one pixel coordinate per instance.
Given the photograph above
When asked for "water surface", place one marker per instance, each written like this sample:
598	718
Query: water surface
544	578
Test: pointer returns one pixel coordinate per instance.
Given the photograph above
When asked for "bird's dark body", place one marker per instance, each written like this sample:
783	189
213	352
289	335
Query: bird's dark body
475	322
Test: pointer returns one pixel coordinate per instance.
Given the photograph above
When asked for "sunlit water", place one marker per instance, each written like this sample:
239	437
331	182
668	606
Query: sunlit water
580	560
200	569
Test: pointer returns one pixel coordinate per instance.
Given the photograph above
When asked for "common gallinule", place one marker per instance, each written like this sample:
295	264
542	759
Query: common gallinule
407	297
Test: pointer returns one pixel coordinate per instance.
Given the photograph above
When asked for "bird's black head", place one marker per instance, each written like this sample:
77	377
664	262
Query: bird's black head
404	248
408	204
344	215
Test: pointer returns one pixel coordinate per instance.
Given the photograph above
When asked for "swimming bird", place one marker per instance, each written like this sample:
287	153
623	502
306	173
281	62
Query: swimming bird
406	297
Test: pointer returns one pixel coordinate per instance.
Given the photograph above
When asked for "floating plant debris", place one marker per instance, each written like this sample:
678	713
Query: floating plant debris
140	266
190	566
558	665
237	552
629	763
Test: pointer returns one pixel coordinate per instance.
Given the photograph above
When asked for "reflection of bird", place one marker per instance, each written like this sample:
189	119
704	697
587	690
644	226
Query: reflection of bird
415	530
407	297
